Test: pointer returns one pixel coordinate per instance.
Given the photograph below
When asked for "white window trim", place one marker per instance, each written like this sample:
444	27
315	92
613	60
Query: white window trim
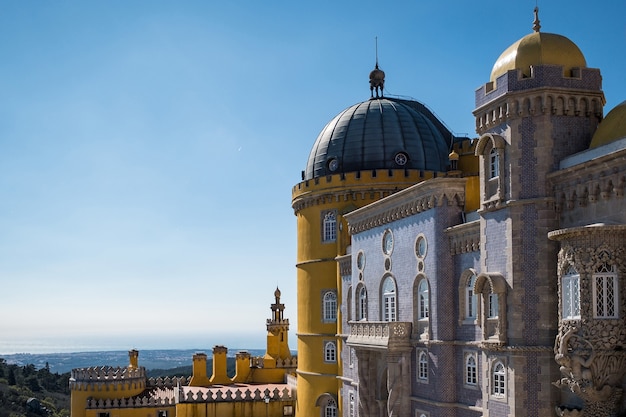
570	295
330	351
501	383
329	226
329	307
423	300
362	304
608	279
466	375
389	300
422	377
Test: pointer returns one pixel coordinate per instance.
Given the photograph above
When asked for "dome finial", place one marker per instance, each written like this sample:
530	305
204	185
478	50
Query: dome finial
377	77
536	25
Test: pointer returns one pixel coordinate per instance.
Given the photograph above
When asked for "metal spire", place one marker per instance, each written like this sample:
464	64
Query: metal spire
536	25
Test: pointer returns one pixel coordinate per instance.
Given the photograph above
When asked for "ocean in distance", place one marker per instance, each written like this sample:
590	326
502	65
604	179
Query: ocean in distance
62	362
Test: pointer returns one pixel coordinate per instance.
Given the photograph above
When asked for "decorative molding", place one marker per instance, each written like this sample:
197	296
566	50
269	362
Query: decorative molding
464	238
416	199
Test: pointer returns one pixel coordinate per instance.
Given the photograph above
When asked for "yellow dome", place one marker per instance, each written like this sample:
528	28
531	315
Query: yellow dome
612	128
539	49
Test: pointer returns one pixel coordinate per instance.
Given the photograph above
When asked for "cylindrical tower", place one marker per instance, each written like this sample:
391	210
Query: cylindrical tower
106	382
369	151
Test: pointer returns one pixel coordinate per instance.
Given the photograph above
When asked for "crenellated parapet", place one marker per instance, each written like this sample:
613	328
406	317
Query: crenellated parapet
546	92
355	186
230	394
104	378
168	382
134	402
259	362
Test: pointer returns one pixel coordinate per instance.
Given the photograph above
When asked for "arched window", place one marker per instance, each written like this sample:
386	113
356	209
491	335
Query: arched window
422	366
330	306
329	227
470	298
389	300
499	380
362	307
605	293
352	405
570	291
422	293
471	371
330	352
494	163
330	409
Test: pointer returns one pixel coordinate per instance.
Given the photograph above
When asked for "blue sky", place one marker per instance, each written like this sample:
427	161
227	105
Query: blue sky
148	148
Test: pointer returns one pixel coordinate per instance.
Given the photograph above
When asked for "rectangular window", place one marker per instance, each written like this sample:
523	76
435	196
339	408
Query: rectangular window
570	287
605	295
162	413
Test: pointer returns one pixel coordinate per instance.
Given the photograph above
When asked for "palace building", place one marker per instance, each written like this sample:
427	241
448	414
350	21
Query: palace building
447	276
439	275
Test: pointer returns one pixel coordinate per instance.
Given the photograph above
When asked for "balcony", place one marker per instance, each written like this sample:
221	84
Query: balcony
379	334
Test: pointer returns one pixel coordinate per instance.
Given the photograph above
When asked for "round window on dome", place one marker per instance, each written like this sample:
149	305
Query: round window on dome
333	164
401	158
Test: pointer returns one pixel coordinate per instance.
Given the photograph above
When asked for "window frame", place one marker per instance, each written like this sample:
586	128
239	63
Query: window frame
607	297
362	303
423	299
494	163
471	370
422	366
389	299
471	299
329	226
330	408
498	379
329	307
570	295
330	351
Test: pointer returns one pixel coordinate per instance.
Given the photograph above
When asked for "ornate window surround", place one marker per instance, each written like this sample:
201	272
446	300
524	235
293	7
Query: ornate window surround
468	314
489	285
490	149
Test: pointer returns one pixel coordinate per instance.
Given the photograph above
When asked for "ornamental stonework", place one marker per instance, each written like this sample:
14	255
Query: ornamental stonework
590	351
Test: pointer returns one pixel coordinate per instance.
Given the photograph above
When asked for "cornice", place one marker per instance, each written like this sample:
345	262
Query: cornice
416	199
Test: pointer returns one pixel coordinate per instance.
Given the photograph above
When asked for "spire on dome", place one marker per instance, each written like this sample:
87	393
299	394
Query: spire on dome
536	25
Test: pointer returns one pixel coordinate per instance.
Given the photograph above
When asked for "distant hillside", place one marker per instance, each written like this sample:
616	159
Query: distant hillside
150	359
29	392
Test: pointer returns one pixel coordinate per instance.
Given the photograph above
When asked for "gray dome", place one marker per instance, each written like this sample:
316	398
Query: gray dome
381	133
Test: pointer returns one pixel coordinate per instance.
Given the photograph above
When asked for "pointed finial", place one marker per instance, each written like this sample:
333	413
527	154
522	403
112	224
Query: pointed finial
376	40
377	78
536	25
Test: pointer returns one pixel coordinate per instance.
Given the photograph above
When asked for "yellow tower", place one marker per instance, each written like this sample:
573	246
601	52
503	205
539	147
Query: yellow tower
105	382
367	152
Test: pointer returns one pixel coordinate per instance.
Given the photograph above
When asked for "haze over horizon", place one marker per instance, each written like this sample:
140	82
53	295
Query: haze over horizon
148	149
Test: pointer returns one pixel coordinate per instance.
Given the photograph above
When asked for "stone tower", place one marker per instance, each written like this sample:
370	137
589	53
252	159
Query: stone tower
540	105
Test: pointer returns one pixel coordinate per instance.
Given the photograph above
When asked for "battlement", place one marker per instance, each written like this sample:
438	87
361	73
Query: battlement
168	382
258	362
234	393
131	402
585	79
365	178
102	376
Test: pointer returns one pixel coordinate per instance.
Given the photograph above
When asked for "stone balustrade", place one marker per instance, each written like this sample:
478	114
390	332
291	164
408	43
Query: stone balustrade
379	334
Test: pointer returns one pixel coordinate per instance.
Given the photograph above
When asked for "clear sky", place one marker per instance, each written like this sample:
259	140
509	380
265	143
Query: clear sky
148	148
